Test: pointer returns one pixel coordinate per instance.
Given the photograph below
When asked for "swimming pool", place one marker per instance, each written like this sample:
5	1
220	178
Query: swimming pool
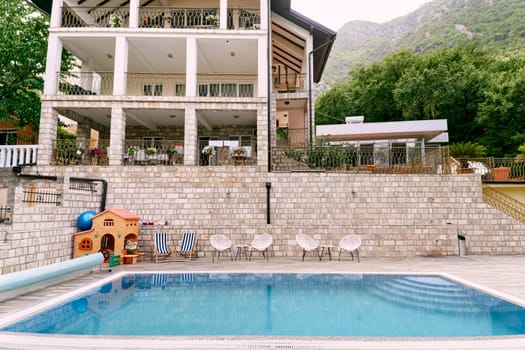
280	305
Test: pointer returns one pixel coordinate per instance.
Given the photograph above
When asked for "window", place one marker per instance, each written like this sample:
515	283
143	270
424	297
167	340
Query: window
203	90
245	90
85	244
214	90
244	140
109	222
229	90
152	89
153	142
180	90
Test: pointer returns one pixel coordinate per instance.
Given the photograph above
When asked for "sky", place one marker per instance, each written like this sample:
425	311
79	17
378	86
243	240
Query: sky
335	13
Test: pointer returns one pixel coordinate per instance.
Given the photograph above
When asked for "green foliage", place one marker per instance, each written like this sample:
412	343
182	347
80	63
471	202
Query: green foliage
468	149
478	93
495	24
23	47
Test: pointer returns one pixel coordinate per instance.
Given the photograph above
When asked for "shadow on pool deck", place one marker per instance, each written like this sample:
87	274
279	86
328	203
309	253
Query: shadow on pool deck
503	276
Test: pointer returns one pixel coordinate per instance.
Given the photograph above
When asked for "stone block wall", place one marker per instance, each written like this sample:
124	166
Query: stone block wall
396	215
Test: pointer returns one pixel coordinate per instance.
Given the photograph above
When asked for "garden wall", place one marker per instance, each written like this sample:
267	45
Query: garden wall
396	215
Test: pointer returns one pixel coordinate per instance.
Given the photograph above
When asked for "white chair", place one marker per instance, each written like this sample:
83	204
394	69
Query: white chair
307	244
261	243
220	243
351	244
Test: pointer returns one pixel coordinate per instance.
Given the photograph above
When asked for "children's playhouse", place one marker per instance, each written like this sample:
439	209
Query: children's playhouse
113	231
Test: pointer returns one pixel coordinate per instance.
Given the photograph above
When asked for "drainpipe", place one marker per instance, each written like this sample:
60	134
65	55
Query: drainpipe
269	83
18	172
268	187
310	78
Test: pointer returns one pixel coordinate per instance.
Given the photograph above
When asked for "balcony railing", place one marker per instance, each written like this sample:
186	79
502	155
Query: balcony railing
220	85
159	17
98	16
492	169
168	17
147	84
406	160
85	83
289	82
247	19
154	152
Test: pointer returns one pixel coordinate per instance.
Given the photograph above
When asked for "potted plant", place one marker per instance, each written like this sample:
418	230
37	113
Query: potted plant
208	151
212	20
171	152
115	21
239	152
131	246
463	152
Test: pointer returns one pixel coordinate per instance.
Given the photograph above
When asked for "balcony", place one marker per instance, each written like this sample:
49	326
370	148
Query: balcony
289	82
159	17
152	152
147	84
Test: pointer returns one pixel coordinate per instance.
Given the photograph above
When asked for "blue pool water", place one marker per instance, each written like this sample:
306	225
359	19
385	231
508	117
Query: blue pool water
283	305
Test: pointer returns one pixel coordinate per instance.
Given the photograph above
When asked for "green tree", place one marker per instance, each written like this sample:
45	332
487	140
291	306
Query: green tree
23	46
502	113
333	106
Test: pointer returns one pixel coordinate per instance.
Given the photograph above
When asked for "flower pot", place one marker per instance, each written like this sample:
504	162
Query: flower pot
501	174
465	171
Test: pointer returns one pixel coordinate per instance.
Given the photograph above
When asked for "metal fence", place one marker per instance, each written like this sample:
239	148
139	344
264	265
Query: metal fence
95	16
428	160
492	169
6	215
34	196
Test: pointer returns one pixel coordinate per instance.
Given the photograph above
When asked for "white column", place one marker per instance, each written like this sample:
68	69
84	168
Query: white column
262	67
53	59
223	11
134	13
47	133
191	156
56	13
191	66
121	66
264	14
262	133
117	135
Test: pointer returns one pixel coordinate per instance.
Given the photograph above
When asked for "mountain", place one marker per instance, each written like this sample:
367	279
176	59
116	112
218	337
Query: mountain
496	24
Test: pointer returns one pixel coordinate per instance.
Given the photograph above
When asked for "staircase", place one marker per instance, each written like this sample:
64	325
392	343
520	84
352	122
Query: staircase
504	203
429	293
285	164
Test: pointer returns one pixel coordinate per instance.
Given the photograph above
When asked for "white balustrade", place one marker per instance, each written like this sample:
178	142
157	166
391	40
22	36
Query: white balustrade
11	156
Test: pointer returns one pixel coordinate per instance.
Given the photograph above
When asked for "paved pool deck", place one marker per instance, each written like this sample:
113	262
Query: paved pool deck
503	276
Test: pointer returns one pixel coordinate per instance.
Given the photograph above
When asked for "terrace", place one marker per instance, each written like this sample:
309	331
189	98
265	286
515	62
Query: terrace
165	17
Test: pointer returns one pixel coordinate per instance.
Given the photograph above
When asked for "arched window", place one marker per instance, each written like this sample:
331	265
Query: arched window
85	244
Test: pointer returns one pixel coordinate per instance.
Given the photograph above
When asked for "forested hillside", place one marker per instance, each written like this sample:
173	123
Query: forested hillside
497	25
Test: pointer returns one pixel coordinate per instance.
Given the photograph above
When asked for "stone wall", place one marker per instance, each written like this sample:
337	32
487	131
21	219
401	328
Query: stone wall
396	215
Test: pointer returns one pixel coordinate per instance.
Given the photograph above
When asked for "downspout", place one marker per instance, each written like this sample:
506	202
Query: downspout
269	83
310	79
18	172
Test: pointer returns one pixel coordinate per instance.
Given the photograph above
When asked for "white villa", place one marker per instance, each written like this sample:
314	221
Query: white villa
161	75
165	86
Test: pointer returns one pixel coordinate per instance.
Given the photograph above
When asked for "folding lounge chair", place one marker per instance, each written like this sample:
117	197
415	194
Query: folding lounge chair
220	243
261	243
187	245
161	247
307	244
350	243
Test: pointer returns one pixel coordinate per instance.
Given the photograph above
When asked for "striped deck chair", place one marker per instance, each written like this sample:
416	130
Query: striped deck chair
187	277
187	245
160	245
